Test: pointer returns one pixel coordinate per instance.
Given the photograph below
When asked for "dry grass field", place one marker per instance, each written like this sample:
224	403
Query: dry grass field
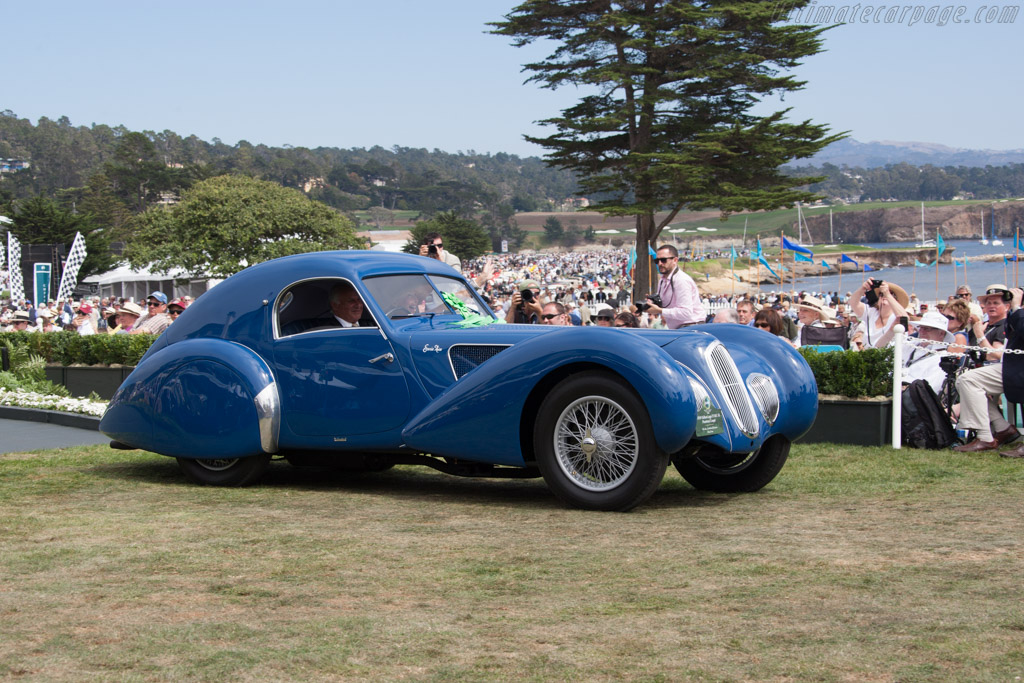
854	565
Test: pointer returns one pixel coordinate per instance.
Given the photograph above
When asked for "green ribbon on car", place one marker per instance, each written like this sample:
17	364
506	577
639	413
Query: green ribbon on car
469	318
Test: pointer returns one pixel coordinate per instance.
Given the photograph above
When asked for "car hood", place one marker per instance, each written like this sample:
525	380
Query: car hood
443	352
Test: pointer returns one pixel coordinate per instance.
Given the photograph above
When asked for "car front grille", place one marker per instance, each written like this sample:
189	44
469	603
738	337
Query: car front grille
727	375
766	396
465	357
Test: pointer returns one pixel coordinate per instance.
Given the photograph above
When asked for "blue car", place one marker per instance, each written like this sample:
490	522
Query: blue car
366	360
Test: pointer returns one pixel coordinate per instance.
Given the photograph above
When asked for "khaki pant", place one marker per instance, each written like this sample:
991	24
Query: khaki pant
980	391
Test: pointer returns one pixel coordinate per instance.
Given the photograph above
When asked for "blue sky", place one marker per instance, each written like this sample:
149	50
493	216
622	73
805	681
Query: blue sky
425	74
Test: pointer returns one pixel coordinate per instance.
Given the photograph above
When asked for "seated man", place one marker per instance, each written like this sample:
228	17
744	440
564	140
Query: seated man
980	389
921	360
346	306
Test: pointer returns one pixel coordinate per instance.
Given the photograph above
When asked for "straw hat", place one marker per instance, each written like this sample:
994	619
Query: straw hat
898	293
813	303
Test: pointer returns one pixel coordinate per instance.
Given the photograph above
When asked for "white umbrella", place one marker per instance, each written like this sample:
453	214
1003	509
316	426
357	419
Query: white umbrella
708	229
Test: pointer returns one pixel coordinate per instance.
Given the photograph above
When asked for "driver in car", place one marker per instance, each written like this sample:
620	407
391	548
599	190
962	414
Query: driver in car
346	305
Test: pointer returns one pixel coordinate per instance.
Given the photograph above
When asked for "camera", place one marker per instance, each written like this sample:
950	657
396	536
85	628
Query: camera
643	305
871	296
432	249
950	364
527	295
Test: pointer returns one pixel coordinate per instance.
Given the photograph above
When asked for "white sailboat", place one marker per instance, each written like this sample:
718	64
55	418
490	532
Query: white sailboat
926	242
995	242
983	240
801	226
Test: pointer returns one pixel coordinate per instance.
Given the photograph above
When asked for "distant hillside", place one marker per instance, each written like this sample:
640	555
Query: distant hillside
874	154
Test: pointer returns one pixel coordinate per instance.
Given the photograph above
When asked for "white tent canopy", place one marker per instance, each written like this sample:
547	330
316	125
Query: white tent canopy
136	285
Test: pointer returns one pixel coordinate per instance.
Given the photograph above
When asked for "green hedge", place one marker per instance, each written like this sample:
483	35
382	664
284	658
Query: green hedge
71	348
851	373
846	373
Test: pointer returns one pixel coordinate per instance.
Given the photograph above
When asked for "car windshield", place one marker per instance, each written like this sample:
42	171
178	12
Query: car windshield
406	296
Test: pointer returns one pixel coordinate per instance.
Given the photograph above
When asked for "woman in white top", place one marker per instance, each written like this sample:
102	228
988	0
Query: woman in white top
887	304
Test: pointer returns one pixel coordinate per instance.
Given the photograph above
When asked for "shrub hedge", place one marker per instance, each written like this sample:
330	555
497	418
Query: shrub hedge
846	373
71	348
851	373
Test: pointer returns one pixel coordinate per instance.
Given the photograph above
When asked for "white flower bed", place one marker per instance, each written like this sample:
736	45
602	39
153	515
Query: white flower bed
28	399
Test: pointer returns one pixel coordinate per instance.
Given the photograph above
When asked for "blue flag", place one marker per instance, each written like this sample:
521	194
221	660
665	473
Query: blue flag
940	243
801	257
921	265
847	259
733	256
786	244
1017	243
632	260
654	254
759	254
867	268
826	265
764	262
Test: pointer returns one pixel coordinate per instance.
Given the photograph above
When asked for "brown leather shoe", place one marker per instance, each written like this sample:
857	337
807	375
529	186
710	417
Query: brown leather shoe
1007	435
977	446
1017	452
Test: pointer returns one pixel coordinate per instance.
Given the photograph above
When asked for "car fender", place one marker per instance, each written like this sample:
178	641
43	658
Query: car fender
479	416
755	350
198	398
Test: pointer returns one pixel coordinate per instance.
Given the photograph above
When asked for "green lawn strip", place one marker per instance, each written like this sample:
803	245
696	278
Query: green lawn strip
856	563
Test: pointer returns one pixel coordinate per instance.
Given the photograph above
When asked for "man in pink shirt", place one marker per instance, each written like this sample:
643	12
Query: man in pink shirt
680	300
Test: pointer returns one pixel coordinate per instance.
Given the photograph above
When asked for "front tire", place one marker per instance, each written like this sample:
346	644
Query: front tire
735	473
595	446
225	472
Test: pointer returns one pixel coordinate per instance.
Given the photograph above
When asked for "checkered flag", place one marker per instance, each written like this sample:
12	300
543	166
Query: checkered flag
69	278
14	281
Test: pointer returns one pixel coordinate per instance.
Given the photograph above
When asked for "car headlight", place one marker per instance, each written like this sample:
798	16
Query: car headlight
762	388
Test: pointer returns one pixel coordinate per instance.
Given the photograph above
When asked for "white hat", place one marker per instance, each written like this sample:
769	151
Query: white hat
937	321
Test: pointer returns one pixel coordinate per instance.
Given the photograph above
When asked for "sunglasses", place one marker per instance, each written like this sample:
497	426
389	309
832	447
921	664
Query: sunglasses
549	316
964	295
151	304
620	324
763	325
174	311
664	259
950	317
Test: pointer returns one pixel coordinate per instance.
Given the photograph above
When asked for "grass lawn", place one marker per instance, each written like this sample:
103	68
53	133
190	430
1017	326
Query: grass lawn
855	564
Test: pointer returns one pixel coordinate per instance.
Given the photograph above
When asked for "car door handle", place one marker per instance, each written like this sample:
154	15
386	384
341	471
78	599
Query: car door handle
387	356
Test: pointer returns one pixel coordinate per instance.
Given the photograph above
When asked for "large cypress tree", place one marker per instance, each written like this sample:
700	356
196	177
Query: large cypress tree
666	121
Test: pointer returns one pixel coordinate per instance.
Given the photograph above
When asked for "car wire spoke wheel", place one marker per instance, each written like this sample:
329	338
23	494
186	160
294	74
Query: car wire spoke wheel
735	472
218	465
225	471
596	443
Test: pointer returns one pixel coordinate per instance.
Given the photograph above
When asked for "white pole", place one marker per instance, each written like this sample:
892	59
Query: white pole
897	386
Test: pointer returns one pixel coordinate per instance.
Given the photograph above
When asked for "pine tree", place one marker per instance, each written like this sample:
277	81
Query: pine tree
666	121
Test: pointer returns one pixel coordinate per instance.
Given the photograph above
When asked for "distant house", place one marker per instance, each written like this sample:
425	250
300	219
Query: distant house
11	165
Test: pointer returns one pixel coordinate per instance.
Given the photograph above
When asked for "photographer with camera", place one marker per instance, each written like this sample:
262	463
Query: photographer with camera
879	305
525	307
432	247
677	301
980	388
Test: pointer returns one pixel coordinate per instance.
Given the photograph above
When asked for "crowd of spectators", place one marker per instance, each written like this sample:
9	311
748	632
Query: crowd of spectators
94	315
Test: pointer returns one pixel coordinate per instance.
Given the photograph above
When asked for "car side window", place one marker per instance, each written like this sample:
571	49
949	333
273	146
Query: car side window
322	304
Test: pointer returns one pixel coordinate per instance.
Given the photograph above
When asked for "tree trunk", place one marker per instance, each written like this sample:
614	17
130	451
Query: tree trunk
645	276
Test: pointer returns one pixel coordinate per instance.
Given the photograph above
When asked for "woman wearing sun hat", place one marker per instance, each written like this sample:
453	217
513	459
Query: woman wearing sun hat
879	305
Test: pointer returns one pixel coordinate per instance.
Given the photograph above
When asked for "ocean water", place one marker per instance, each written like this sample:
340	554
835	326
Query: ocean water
922	281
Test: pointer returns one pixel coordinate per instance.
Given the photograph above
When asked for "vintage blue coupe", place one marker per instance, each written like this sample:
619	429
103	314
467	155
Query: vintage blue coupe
258	367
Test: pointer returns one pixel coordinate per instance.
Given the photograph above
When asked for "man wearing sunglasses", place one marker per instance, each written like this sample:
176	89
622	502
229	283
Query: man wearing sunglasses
433	247
156	319
680	300
554	314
